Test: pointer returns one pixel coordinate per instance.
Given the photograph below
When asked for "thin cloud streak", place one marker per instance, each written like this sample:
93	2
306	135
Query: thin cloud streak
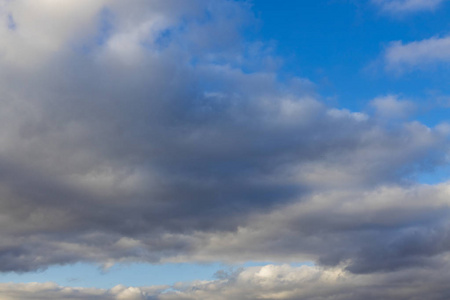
407	6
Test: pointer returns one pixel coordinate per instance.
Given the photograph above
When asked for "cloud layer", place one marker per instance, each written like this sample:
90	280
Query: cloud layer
133	133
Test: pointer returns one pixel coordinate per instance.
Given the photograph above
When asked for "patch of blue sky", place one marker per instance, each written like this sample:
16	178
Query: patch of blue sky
161	41
339	45
12	25
336	44
436	176
105	27
136	274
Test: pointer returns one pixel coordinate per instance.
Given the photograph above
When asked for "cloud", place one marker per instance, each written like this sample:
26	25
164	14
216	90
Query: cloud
391	107
400	57
44	291
386	229
131	132
407	6
289	283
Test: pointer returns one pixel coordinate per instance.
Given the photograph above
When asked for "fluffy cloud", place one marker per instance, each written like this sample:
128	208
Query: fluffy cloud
130	132
407	6
401	57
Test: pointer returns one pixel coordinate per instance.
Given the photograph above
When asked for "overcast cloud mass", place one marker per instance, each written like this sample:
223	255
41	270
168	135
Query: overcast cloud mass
130	133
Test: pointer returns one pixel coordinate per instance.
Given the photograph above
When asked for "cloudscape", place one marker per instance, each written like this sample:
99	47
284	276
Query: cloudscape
304	144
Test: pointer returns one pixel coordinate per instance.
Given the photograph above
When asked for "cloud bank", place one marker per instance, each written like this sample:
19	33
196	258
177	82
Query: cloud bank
130	132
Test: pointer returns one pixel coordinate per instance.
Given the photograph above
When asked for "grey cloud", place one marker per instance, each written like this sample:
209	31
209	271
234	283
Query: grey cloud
130	148
387	229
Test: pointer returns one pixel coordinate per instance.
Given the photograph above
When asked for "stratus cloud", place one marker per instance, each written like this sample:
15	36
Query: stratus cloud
137	136
407	6
400	57
267	282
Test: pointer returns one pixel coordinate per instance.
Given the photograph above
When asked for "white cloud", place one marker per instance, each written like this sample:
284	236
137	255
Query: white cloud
401	57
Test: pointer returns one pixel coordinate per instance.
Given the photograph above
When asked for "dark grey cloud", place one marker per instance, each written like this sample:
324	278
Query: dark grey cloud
130	132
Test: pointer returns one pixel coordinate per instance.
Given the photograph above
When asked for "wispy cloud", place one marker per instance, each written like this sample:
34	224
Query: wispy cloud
407	6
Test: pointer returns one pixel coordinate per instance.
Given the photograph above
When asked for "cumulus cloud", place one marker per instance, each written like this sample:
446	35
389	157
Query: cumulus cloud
402	57
130	132
407	6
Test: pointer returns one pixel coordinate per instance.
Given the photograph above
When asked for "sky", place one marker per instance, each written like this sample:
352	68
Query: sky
219	149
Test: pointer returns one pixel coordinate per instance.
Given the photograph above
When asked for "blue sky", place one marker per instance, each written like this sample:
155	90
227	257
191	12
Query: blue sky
225	145
86	275
337	44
